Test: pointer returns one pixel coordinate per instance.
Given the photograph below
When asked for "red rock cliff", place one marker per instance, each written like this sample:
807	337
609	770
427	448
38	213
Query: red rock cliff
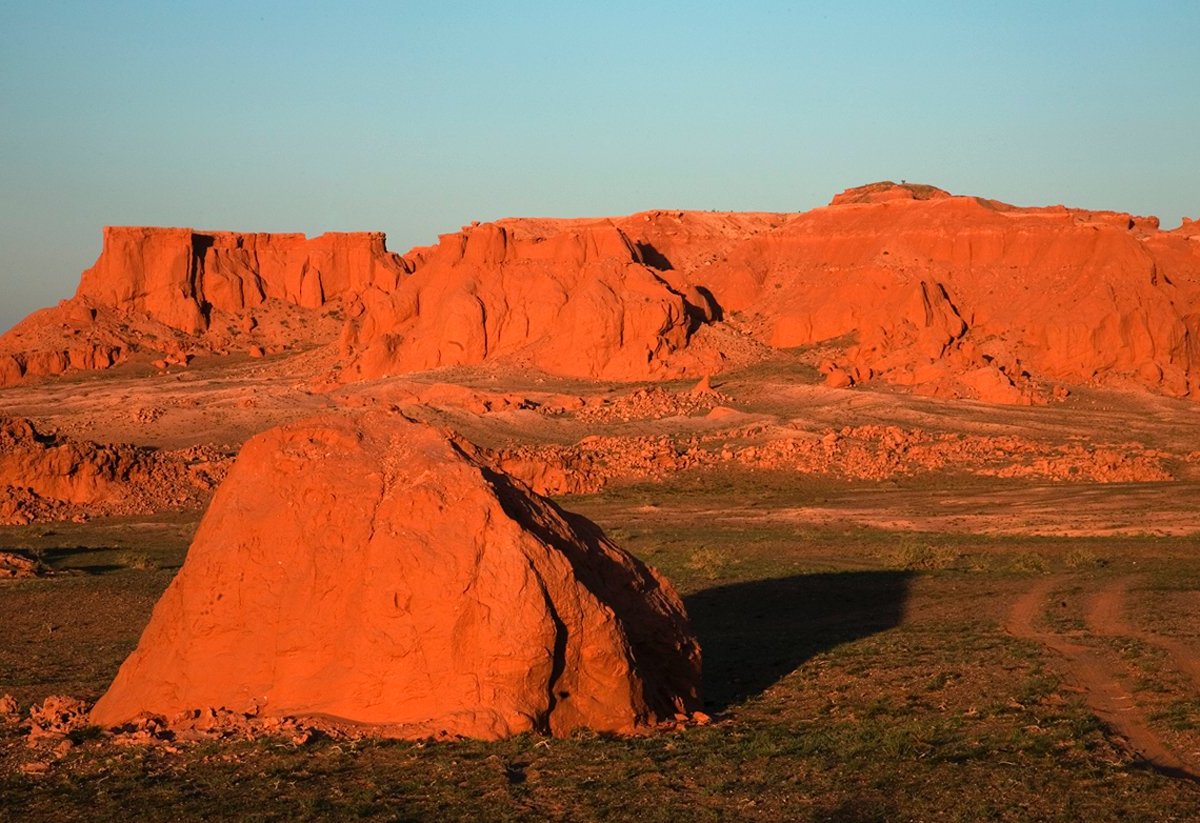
954	296
972	297
179	276
569	297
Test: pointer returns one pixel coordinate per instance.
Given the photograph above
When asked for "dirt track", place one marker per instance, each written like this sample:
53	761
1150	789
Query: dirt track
1111	702
1105	616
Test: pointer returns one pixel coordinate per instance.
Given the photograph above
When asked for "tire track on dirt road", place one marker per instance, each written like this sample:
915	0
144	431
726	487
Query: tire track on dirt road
1106	616
1106	697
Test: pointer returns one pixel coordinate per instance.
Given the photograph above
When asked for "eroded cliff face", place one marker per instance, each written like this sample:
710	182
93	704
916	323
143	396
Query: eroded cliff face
960	296
174	291
577	299
952	296
180	276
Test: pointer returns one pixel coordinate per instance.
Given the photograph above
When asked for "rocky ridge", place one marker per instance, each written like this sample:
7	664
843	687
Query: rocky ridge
951	296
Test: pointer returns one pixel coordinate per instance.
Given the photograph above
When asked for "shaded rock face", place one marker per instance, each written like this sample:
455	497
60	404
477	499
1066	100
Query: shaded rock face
575	298
370	571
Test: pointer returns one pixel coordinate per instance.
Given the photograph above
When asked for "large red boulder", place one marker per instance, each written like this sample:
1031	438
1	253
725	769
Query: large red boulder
370	571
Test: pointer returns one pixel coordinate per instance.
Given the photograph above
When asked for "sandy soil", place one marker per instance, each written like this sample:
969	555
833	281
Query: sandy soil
1100	464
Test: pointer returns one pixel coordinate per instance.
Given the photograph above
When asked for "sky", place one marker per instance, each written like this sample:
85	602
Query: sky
415	118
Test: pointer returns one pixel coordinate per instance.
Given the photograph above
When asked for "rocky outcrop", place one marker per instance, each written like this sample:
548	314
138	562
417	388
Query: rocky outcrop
371	571
952	296
574	298
172	291
44	476
71	335
180	276
57	469
15	566
960	296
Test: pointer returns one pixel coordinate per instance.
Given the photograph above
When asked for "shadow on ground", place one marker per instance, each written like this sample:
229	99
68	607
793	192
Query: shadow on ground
754	633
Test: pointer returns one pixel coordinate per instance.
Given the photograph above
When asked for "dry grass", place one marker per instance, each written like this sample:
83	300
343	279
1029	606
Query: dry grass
854	674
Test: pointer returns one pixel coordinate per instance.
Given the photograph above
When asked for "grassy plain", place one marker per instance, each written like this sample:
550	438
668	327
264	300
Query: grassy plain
853	673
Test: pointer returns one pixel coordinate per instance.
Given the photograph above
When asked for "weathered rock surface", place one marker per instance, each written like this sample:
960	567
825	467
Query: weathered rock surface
369	570
571	297
71	335
67	471
44	476
175	291
952	296
180	276
959	296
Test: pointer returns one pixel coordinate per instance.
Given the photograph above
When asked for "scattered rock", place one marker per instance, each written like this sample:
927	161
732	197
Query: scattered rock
45	476
55	718
860	452
18	566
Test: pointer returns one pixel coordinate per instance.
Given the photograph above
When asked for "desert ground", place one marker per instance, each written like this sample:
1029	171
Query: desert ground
921	469
949	610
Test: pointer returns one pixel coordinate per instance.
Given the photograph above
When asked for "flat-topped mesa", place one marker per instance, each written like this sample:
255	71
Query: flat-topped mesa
952	295
886	190
179	276
968	297
570	297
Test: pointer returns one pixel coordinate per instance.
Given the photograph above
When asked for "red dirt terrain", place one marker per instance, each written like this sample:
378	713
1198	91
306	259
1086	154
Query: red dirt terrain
902	367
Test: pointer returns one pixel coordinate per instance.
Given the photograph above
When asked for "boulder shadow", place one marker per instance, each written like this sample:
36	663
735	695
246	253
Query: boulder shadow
753	634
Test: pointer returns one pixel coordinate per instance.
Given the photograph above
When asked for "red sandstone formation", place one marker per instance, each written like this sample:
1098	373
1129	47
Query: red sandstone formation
372	572
47	477
180	276
570	297
967	297
71	335
953	296
171	290
71	472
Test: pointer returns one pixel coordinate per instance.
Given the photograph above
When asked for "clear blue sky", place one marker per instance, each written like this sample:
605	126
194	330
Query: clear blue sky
414	118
